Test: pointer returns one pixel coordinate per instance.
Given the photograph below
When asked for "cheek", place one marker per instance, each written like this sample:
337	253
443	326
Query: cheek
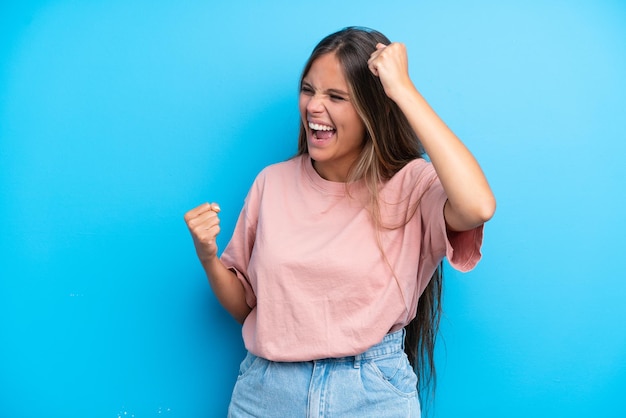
354	121
302	103
357	128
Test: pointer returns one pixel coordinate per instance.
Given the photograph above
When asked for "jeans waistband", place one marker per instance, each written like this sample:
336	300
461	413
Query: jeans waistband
391	343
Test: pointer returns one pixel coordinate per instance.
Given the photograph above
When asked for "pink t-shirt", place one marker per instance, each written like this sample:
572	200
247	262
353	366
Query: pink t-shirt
309	259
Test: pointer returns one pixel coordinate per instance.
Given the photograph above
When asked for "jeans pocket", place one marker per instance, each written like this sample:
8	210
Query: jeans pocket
395	372
247	364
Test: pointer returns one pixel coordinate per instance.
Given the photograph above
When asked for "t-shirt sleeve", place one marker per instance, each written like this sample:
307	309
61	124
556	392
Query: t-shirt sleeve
462	249
236	255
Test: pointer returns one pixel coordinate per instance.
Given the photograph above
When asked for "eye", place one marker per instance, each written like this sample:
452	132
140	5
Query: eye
337	98
306	90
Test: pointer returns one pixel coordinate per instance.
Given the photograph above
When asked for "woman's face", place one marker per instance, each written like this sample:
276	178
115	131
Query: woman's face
334	130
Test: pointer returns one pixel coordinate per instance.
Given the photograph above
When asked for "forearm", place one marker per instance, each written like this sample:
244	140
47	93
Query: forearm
470	199
227	288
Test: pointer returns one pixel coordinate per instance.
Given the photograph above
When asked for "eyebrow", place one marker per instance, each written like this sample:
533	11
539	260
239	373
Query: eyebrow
338	92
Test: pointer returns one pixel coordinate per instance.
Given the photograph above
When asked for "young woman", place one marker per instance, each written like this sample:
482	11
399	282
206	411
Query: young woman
337	249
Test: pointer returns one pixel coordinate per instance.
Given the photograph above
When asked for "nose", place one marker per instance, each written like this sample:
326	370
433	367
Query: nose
315	104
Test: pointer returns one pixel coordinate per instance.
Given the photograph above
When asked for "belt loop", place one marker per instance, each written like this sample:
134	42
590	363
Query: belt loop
357	361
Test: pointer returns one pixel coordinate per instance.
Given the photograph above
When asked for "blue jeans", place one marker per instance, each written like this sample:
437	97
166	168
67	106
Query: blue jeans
378	383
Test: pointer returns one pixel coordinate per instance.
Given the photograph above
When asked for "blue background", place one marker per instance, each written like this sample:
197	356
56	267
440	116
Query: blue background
116	117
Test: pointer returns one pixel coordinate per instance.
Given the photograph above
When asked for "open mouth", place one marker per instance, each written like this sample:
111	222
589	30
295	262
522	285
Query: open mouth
321	131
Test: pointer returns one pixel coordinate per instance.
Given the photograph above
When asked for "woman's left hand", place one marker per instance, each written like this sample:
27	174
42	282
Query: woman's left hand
390	64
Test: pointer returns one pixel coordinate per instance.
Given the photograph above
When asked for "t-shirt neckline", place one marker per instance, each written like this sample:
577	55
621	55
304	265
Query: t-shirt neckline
338	188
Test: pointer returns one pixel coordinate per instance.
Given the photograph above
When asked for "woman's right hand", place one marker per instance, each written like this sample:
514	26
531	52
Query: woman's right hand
204	224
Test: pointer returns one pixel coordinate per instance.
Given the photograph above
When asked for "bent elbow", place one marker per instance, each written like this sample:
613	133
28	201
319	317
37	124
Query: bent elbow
469	216
241	315
487	209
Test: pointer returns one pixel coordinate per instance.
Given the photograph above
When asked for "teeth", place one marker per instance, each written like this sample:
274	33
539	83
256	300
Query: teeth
318	127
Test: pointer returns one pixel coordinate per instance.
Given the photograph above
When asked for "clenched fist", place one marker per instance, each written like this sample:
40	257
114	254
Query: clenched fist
390	64
204	224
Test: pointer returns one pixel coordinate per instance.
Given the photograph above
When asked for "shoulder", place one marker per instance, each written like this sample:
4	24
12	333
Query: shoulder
278	174
281	168
410	184
415	171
